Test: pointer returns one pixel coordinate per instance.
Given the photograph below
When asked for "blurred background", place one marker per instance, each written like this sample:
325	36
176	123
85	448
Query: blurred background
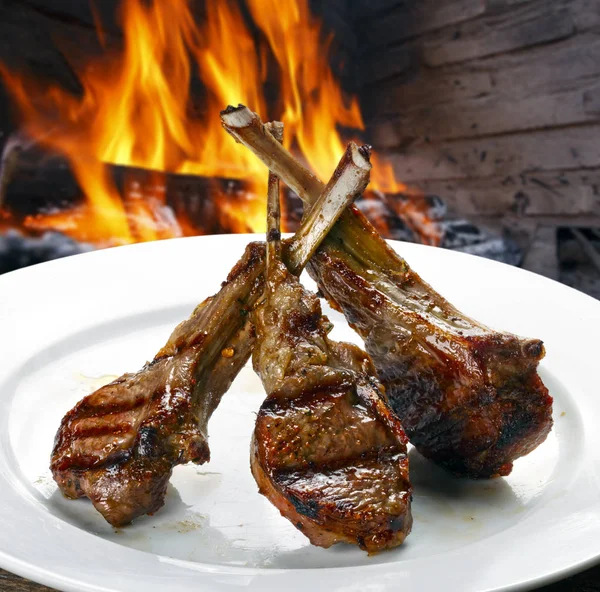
484	116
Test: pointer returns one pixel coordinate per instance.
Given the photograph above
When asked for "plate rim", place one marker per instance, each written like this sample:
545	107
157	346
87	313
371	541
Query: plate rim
31	570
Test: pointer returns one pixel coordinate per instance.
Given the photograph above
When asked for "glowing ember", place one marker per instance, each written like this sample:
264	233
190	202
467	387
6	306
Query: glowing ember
135	110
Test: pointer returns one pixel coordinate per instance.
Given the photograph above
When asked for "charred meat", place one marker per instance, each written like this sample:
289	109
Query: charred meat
469	397
118	446
327	451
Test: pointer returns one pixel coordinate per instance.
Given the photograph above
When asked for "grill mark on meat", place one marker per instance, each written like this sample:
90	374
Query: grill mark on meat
111	411
326	450
63	469
310	509
118	446
108	406
308	399
350	462
149	443
103	429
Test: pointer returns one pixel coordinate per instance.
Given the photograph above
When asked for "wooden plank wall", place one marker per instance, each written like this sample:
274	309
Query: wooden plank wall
492	104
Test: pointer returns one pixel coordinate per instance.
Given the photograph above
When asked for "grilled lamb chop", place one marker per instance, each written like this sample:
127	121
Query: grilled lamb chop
327	451
118	446
469	397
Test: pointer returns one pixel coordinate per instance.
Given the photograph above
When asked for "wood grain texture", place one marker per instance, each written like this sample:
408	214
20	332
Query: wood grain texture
570	148
570	65
12	583
413	18
515	28
429	87
536	193
547	87
491	115
509	90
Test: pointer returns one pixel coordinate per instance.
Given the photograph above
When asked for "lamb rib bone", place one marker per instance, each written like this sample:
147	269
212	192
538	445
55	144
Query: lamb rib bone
118	446
469	397
326	451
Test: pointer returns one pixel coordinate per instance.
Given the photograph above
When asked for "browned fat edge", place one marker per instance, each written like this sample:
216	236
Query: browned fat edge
371	298
253	256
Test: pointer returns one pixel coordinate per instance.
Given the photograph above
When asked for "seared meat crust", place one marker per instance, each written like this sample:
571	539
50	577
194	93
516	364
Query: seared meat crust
327	451
118	446
469	398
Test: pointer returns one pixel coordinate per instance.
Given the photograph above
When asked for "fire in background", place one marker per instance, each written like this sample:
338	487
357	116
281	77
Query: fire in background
136	110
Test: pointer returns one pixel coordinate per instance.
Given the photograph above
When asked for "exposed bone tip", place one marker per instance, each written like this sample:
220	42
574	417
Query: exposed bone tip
231	109
361	155
239	116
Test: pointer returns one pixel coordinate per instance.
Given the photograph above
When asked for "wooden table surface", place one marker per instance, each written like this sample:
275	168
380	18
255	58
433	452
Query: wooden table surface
587	581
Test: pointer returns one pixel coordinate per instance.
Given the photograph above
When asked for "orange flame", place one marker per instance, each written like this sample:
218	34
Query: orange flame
135	110
313	101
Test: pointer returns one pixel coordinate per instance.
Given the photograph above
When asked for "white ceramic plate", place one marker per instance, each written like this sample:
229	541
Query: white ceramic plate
69	326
